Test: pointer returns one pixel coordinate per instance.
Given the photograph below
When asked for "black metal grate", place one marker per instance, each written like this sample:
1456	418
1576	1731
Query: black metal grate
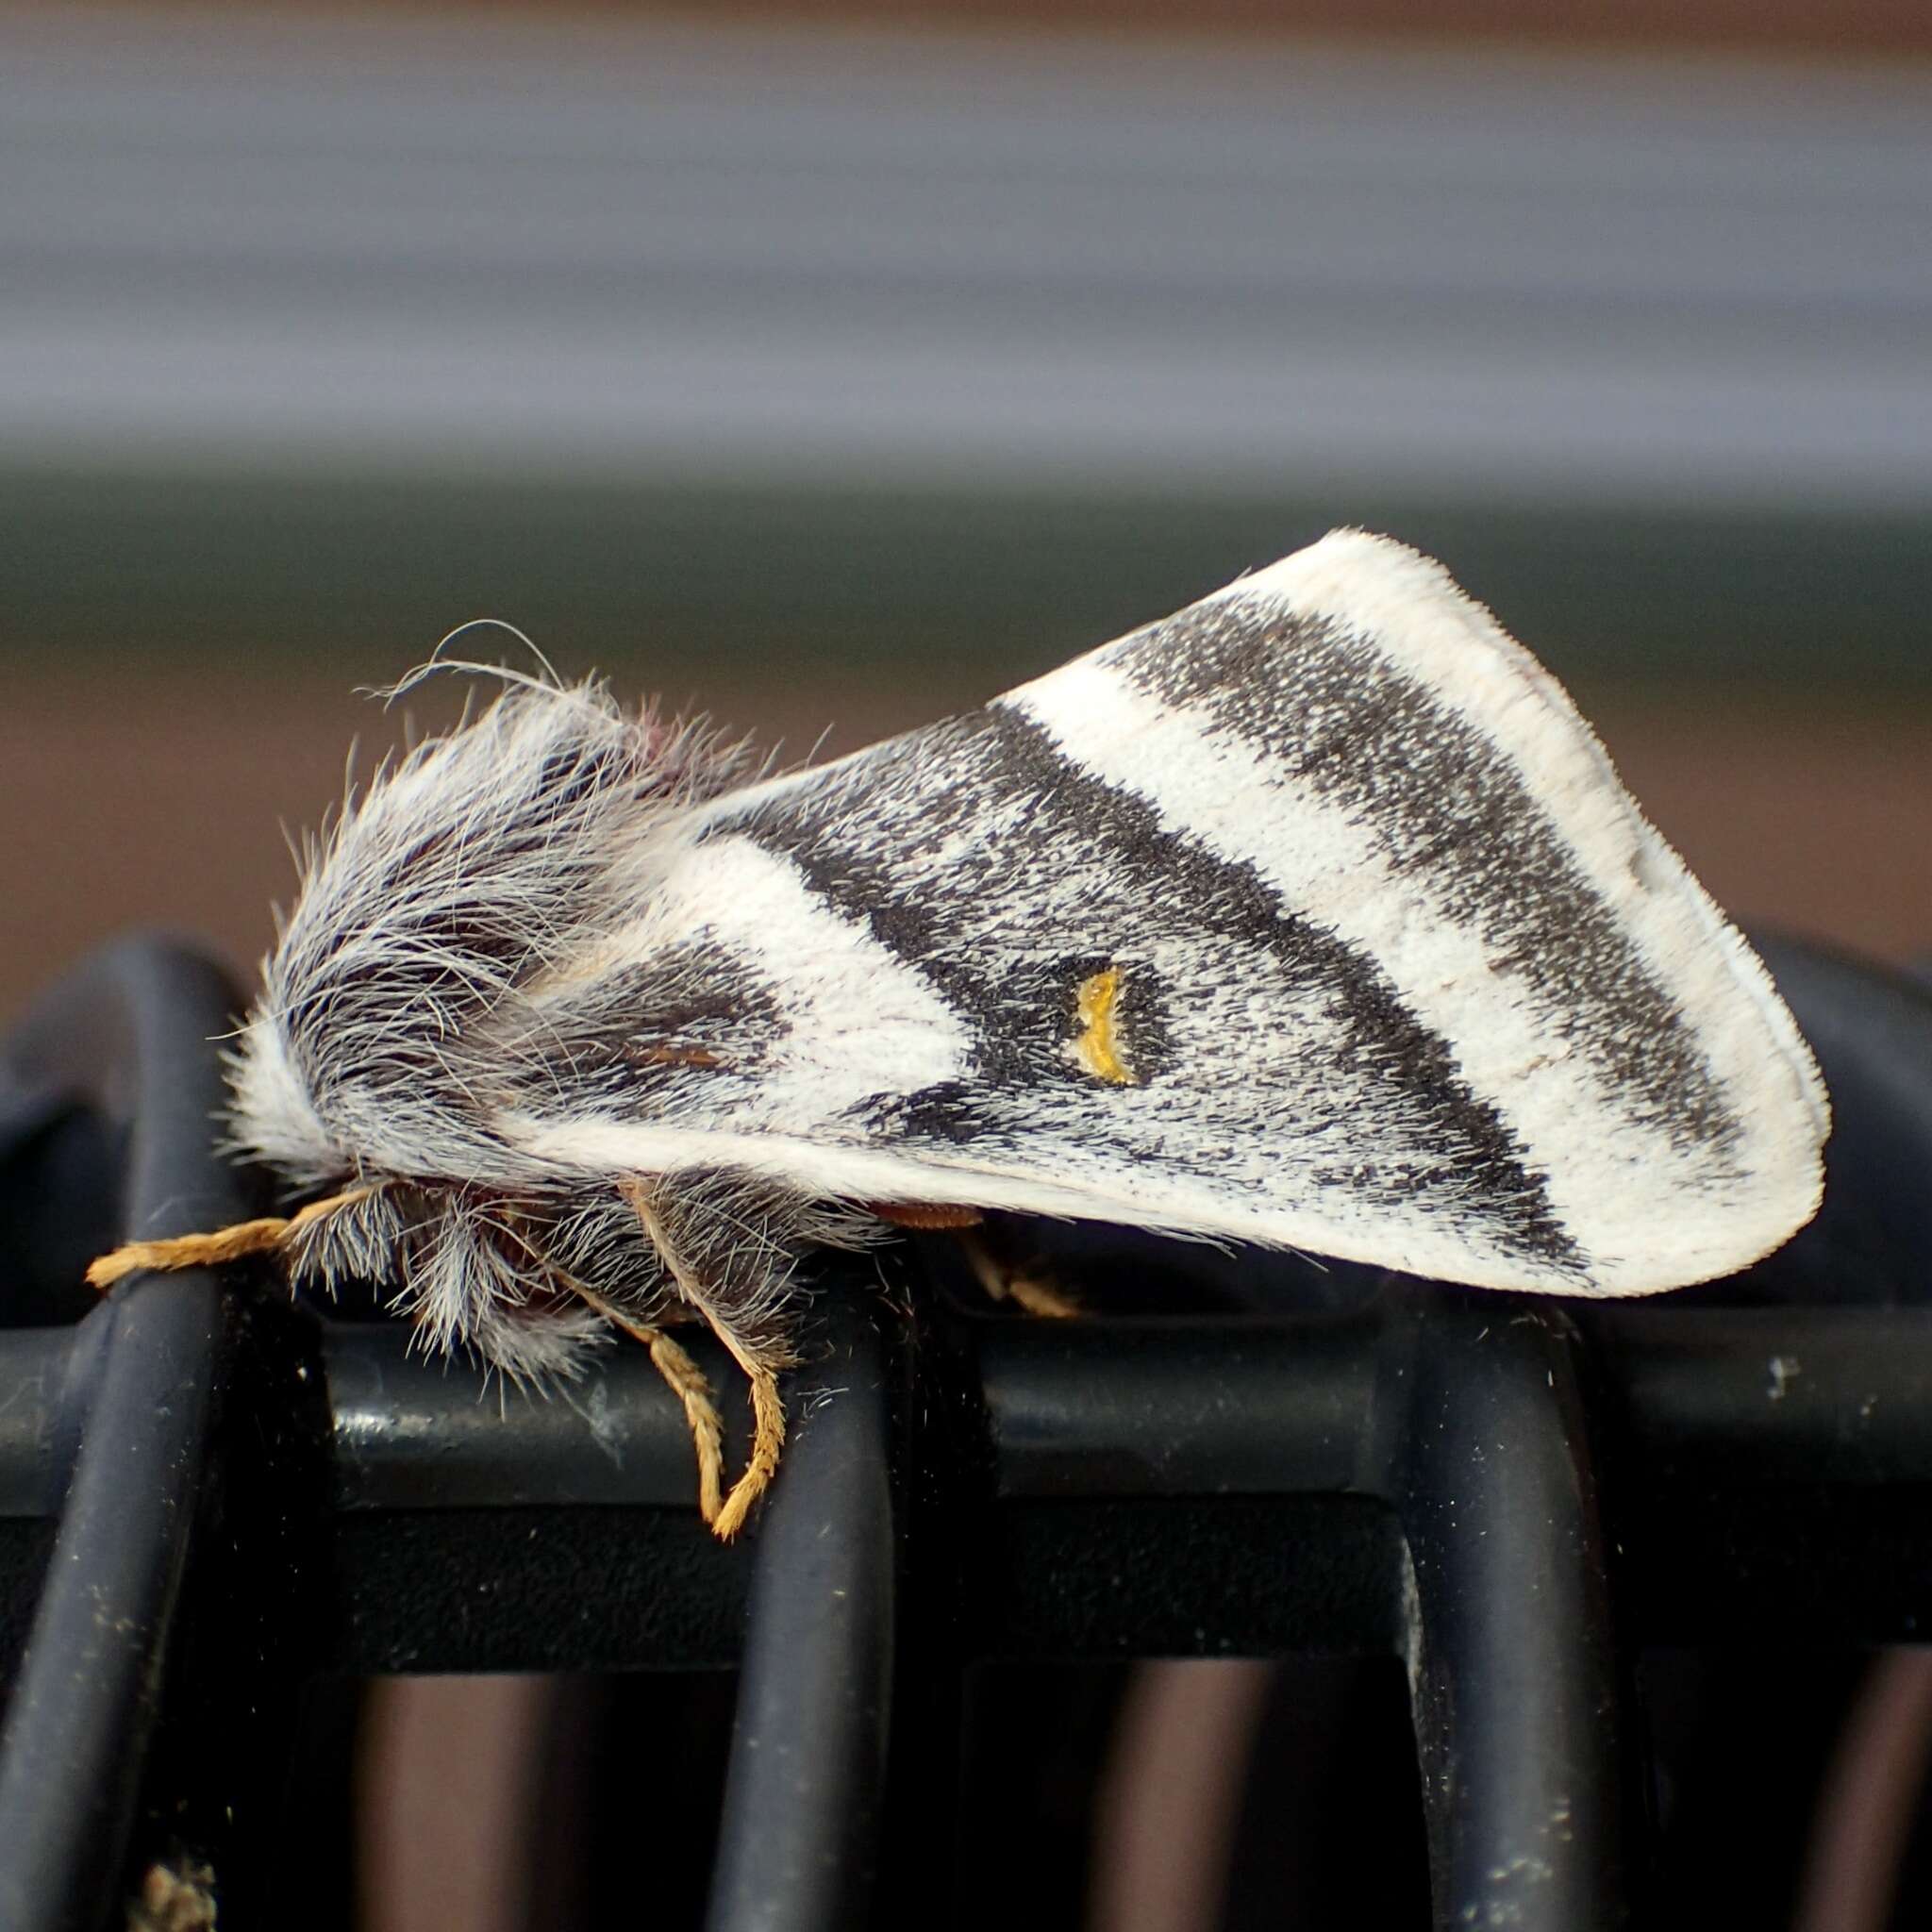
208	1501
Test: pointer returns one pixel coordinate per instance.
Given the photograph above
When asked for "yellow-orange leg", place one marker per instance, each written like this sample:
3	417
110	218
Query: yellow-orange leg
767	1406
687	1382
1002	1280
1014	1281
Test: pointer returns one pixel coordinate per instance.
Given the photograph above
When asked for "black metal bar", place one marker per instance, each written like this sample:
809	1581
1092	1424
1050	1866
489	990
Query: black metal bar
1173	1408
1872	1031
798	1845
1740	1433
130	1032
1164	1407
413	1432
36	1452
1770	1396
479	1527
1513	1669
1750	1397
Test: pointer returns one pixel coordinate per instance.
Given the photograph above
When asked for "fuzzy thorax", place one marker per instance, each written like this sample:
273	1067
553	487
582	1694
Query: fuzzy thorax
396	1016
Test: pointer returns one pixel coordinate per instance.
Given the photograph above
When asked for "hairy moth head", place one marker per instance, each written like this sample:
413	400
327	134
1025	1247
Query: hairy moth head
394	1025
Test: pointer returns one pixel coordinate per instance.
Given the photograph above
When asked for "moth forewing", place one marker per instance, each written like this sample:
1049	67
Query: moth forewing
1401	972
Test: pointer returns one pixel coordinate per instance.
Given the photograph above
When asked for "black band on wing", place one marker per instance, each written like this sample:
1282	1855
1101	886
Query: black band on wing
956	878
1452	810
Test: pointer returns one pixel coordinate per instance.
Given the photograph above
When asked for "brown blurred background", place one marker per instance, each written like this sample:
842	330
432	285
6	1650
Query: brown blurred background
831	367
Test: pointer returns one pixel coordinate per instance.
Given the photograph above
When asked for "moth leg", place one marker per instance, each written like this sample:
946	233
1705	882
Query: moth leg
234	1242
1002	1279
768	1443
1026	1285
768	1408
687	1382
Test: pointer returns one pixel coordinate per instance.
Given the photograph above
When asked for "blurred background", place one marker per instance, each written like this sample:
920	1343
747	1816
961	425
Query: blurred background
830	367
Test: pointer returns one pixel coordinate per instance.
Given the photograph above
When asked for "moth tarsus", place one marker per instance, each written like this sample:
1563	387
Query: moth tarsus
1026	1284
1313	915
686	1381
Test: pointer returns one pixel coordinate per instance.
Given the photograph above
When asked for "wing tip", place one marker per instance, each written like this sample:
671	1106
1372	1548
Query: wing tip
1347	548
1385	588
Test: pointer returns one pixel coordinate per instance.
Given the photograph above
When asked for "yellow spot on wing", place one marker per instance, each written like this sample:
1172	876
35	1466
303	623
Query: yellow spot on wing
1096	1049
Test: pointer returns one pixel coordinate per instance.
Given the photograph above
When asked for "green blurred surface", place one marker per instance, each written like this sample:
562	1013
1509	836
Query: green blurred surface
355	577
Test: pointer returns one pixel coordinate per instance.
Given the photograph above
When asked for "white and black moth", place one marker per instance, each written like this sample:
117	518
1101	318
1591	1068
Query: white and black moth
1313	915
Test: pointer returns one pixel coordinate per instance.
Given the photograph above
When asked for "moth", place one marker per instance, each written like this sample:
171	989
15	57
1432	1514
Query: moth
1312	916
